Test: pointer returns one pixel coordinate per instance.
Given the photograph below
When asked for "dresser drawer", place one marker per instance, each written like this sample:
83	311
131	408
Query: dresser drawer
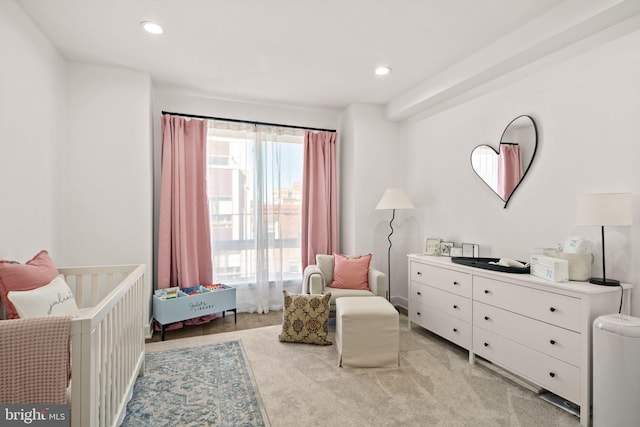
452	304
552	374
556	309
442	278
548	339
449	327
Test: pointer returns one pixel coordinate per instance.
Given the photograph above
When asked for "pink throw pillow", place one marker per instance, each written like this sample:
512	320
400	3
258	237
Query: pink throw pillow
35	273
351	273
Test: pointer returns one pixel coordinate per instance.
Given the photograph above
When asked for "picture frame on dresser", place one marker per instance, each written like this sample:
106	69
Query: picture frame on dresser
470	250
431	246
455	252
445	248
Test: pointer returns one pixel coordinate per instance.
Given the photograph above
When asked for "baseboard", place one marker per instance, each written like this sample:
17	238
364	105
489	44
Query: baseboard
148	327
400	302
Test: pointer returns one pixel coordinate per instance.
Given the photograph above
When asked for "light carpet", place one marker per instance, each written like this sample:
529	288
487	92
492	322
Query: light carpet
302	385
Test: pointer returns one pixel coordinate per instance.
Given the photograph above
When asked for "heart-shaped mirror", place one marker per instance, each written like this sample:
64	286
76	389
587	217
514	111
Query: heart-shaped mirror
504	169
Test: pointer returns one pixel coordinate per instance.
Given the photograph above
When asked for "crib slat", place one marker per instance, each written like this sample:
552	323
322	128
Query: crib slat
79	291
104	392
90	378
110	282
95	292
112	373
119	360
108	368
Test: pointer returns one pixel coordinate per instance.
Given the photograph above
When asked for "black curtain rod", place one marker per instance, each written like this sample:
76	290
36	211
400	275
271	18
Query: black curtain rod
195	116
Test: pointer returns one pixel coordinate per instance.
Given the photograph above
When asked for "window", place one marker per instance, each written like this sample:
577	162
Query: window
254	184
484	161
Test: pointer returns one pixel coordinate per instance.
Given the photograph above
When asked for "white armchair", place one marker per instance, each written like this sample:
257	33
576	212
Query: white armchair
318	276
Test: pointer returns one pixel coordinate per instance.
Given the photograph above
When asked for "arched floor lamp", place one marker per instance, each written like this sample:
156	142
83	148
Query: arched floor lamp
393	198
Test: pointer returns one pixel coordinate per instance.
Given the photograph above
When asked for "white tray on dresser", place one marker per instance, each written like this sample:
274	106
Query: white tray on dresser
537	329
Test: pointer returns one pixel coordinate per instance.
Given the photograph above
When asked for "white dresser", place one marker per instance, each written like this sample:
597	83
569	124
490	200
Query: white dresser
535	328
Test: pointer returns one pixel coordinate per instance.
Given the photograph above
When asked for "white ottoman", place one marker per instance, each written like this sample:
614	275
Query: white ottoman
367	334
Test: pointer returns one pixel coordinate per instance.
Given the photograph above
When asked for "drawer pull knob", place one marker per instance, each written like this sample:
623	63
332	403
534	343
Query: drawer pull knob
419	293
552	375
486	317
486	344
553	342
552	309
486	291
456	283
455	330
419	273
418	313
455	306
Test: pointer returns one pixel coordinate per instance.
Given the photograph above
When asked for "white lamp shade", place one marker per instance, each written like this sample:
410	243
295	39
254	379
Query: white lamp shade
394	198
605	209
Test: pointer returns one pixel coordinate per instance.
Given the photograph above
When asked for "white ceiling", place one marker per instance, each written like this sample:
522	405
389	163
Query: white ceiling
289	52
322	54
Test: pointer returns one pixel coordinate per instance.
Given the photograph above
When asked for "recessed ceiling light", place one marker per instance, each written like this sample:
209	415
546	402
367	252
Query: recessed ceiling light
383	71
151	27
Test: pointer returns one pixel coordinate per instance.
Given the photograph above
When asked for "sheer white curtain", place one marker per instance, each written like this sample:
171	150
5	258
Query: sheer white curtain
254	183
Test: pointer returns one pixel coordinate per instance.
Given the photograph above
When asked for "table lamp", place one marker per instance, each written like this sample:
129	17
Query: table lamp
393	198
604	209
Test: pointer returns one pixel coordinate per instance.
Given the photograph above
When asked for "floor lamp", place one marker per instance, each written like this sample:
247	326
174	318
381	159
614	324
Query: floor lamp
393	198
604	209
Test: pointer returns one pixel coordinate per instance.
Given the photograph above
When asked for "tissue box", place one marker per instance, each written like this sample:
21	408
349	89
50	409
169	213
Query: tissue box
554	269
579	264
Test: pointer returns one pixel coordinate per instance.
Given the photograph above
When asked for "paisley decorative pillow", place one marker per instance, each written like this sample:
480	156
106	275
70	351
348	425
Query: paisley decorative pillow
305	318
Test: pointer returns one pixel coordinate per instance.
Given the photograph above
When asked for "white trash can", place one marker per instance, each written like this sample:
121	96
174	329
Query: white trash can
616	371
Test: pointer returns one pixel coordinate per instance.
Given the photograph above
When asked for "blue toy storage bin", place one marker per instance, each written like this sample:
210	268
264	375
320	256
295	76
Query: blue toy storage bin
185	306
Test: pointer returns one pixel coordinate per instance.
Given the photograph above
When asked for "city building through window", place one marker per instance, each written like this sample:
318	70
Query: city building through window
254	184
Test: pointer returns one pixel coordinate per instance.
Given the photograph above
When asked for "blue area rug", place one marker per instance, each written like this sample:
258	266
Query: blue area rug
209	385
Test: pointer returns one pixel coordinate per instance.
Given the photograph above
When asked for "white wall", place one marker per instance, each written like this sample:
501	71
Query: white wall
586	110
347	220
32	117
105	168
370	162
75	163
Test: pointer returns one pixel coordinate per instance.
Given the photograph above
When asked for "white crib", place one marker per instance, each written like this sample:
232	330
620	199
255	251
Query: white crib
107	341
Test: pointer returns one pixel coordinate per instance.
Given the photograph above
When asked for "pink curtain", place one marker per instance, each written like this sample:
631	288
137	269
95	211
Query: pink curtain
319	196
509	169
184	239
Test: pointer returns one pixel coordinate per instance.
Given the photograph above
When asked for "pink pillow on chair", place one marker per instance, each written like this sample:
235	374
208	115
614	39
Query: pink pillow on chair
35	273
351	273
